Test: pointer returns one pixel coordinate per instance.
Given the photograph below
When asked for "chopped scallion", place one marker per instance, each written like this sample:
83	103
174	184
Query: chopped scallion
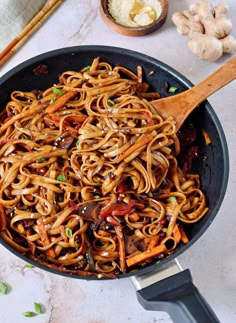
77	144
173	199
87	68
110	103
68	232
96	196
61	178
58	91
38	308
29	266
24	136
172	89
3	288
52	100
29	314
40	159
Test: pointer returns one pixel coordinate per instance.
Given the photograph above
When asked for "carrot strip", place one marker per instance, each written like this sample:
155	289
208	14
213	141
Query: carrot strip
136	146
154	241
103	233
121	241
81	118
61	101
44	237
64	126
206	137
145	255
184	237
3	219
176	233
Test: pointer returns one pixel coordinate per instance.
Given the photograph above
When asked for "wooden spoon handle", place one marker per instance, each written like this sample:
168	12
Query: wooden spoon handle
222	76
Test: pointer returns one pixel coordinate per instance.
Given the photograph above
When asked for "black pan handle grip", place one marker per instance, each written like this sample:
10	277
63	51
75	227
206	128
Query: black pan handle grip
178	296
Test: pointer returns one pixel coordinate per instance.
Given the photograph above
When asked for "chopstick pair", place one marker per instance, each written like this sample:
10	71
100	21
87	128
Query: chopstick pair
28	30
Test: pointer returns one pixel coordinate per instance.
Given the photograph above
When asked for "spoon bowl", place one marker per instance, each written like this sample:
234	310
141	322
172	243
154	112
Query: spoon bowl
181	105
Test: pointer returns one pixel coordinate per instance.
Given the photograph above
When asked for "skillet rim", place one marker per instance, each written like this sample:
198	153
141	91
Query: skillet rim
185	82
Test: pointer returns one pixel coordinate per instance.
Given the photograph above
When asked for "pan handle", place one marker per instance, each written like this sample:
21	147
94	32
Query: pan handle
178	296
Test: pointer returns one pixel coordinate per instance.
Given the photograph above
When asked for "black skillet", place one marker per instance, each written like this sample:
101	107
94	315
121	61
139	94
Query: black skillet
176	294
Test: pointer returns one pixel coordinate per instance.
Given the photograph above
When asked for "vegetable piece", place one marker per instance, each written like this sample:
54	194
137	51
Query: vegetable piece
68	232
131	261
58	91
207	28
61	101
28	266
118	209
40	159
142	142
44	237
29	314
3	288
3	219
177	233
57	123
172	89
206	136
184	237
121	242
61	178
89	258
38	308
111	103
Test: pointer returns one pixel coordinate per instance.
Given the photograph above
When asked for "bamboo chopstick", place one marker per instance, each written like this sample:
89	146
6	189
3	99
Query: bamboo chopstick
28	30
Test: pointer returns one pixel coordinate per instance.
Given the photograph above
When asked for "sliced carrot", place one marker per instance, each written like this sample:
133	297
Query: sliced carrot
154	241
184	237
131	261
121	241
206	137
103	233
44	237
176	233
64	126
77	118
3	219
60	101
136	146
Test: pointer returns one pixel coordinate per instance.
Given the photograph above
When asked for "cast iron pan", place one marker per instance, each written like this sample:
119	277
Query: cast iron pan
177	295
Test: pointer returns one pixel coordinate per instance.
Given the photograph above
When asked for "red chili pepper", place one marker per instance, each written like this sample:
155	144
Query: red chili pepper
111	220
149	119
118	209
121	188
7	119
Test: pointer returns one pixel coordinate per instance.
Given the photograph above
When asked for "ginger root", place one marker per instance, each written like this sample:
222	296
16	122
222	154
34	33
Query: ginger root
207	28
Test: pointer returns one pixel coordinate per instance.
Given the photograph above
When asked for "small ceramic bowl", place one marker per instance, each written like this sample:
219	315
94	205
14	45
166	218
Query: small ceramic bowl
133	31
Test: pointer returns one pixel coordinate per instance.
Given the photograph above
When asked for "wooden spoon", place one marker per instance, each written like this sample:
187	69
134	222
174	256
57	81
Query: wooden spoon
181	105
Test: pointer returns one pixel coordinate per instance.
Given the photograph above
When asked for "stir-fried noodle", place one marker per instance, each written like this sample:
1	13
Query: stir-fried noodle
90	182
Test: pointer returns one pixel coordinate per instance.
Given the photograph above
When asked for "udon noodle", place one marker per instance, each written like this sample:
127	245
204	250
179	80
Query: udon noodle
89	178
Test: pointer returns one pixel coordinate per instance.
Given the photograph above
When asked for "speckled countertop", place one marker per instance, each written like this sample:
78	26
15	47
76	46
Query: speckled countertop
212	259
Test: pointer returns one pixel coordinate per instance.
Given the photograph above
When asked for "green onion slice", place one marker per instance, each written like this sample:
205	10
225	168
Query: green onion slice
77	144
173	199
68	232
29	266
87	68
172	89
52	100
3	288
58	91
61	178
29	314
110	103
38	308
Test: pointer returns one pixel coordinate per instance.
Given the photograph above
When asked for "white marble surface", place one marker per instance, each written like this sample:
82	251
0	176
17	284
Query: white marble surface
212	259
